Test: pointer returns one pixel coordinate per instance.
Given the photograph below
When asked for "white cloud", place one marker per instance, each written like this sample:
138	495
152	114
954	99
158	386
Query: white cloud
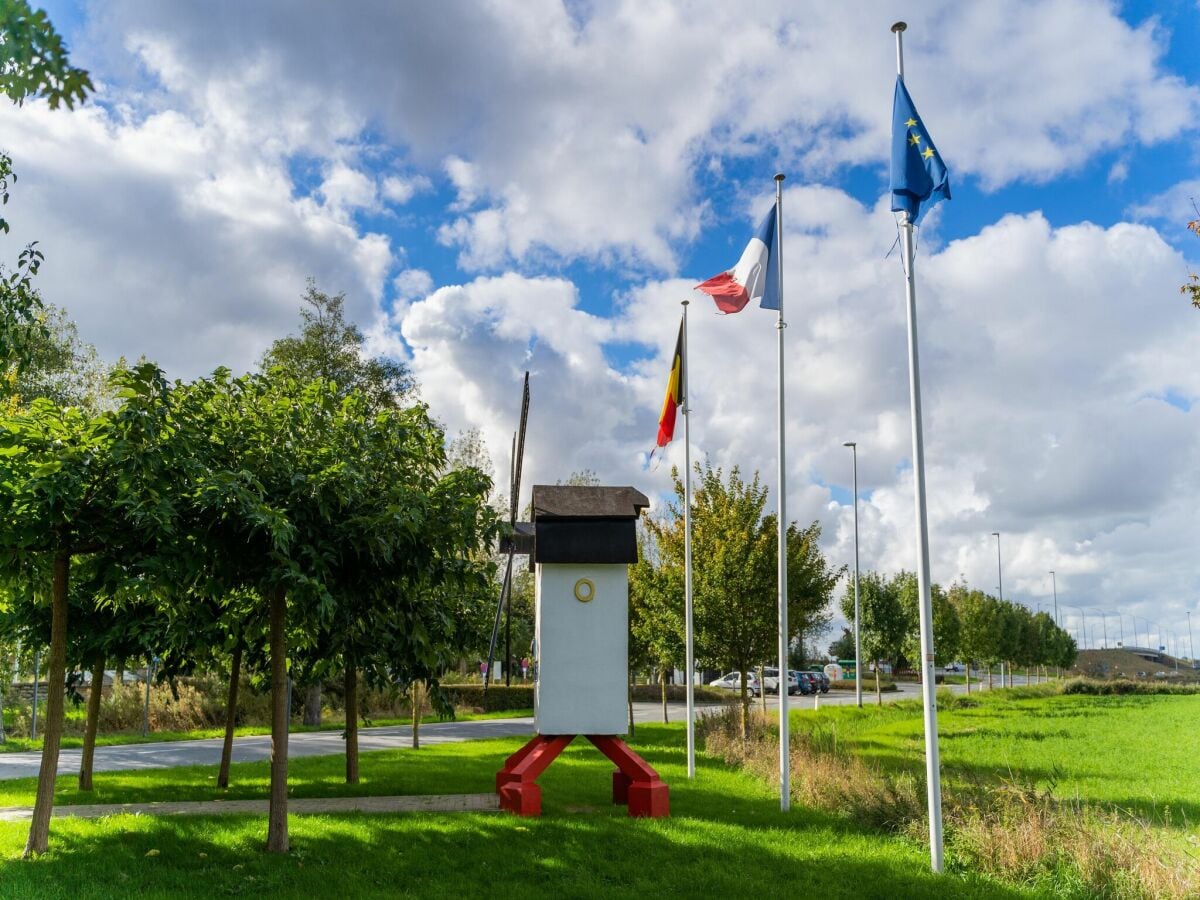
1043	350
580	135
400	190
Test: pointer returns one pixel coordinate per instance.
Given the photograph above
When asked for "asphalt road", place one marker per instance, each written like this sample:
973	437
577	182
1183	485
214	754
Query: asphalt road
131	757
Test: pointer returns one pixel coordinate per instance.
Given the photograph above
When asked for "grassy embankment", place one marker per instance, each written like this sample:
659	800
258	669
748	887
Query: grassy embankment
726	837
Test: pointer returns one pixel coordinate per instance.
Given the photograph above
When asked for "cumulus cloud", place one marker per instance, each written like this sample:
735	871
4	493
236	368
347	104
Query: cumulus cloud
1046	355
581	131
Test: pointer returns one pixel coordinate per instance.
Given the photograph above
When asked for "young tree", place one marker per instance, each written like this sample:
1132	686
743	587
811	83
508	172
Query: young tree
76	484
656	612
883	624
843	647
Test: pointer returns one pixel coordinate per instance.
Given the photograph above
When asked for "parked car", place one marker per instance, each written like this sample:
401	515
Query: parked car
733	682
803	685
771	680
821	678
809	679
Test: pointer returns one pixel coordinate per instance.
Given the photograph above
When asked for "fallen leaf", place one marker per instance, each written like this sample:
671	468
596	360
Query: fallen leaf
152	853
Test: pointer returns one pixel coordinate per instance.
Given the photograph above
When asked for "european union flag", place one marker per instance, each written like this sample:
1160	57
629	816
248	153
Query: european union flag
918	174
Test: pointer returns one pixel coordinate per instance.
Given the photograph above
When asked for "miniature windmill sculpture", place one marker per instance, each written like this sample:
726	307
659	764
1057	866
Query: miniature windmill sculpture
584	539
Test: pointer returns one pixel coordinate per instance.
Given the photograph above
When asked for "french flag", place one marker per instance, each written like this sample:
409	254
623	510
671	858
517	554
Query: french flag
755	277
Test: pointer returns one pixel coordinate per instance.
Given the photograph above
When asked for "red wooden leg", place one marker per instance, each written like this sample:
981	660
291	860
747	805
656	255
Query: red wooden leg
646	793
516	781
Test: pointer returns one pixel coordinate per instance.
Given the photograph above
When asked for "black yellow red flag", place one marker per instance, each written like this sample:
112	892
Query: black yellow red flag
674	397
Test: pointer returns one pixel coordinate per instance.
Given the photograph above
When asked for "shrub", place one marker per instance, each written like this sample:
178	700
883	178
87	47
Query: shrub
498	698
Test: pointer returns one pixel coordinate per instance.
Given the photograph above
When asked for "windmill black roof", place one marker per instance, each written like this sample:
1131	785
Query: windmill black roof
576	502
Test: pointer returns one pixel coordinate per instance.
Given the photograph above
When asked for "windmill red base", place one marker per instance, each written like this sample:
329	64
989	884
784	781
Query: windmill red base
635	783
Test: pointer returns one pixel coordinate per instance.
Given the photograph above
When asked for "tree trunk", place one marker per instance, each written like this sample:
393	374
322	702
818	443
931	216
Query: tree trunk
235	675
629	699
277	823
662	676
312	704
745	706
418	699
762	690
119	677
89	728
351	720
989	676
878	690
39	826
968	670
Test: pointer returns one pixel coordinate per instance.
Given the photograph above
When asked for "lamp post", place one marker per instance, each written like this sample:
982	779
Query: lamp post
999	571
1191	646
853	445
1054	587
1104	626
1084	615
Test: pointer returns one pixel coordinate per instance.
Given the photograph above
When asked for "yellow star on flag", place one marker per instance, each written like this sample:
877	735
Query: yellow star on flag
914	139
910	123
927	153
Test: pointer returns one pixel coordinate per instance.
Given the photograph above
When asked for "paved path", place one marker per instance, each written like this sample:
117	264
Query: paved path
296	807
207	752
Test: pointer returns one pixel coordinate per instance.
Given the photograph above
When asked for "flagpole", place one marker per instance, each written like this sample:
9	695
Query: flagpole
690	663
784	752
932	763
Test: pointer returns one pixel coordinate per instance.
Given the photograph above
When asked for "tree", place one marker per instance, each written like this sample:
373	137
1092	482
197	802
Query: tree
656	598
843	647
947	627
883	624
33	63
75	484
977	614
734	576
331	349
58	366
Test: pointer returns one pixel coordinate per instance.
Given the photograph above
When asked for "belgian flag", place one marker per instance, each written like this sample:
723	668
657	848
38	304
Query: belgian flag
674	398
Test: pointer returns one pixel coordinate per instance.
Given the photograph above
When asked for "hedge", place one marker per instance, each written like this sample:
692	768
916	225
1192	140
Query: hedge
1123	686
652	693
498	698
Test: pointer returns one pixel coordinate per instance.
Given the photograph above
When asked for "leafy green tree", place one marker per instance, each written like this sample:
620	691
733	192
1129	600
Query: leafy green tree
33	63
734	577
34	60
947	628
977	613
331	349
656	600
843	647
76	484
883	623
58	366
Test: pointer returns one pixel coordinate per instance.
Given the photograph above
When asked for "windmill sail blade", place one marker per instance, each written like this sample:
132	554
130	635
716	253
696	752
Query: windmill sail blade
514	505
504	591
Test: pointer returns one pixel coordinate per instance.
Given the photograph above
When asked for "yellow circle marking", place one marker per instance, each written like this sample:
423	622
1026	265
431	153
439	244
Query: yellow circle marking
585	590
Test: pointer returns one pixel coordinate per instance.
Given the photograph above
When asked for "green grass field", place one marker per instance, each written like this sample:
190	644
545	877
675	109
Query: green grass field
1136	752
726	837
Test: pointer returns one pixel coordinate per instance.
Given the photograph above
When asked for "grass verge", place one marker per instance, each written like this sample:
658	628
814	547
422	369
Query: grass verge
726	837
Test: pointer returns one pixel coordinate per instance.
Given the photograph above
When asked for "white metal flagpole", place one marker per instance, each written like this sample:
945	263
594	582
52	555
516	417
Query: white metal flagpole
690	662
785	770
932	762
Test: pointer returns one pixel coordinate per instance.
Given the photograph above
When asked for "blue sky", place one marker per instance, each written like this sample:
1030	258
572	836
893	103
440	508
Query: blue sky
525	184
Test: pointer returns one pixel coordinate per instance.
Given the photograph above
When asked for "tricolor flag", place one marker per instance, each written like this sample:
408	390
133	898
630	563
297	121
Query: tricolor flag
755	277
674	398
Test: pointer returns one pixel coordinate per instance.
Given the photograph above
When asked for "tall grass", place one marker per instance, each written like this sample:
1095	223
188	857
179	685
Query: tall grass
1011	830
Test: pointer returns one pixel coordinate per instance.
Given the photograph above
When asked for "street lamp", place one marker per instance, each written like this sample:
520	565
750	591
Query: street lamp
1104	619
1054	586
1084	615
857	645
1191	646
999	571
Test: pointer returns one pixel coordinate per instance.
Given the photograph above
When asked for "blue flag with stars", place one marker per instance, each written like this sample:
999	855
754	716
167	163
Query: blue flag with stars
919	177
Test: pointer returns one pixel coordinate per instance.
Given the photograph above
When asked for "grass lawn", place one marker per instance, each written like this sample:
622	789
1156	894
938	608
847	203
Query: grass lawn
1134	751
725	838
17	745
